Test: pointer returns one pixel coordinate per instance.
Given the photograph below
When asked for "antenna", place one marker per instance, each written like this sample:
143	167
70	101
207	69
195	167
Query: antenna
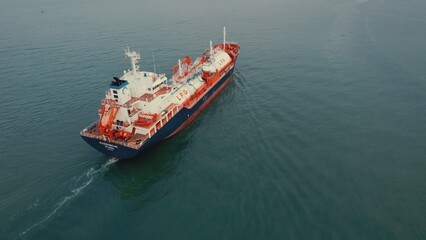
224	37
211	48
180	69
153	60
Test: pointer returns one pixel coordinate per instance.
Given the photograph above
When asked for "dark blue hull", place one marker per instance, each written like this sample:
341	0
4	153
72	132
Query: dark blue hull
180	120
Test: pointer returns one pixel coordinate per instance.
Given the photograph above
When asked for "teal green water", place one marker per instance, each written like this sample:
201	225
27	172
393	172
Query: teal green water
321	135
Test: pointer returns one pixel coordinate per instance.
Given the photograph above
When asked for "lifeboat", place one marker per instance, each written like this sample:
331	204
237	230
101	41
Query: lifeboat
146	119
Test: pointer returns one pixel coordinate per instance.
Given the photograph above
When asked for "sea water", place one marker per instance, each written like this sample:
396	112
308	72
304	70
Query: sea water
321	134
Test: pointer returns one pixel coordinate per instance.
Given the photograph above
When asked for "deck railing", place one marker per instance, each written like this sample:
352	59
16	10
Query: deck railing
103	138
151	131
165	117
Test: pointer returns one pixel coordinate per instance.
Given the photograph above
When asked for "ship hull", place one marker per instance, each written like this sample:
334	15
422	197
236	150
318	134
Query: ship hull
182	119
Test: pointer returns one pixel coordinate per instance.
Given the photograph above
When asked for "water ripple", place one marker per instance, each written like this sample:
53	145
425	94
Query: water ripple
78	185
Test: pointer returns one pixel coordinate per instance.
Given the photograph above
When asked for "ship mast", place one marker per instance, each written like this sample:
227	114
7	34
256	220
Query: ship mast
134	58
180	69
224	37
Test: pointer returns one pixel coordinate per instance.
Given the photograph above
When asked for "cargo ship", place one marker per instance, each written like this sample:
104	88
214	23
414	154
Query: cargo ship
142	108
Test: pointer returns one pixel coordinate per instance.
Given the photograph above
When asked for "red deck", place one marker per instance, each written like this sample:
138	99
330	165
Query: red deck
148	97
134	141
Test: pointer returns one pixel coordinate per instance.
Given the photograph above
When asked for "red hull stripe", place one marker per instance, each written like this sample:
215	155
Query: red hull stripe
205	104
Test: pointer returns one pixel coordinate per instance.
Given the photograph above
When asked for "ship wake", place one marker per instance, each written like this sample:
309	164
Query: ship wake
78	185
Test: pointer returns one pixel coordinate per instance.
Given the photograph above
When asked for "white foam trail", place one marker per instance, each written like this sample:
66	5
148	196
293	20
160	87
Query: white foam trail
91	174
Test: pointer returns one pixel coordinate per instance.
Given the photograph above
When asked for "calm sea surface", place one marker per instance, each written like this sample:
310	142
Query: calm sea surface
321	135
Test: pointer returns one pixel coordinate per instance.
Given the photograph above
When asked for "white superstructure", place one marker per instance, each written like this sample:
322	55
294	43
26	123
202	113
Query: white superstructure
138	104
